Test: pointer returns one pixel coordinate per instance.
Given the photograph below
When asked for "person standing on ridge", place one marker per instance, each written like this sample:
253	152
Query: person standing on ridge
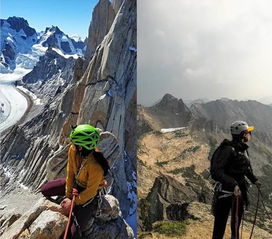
229	166
86	169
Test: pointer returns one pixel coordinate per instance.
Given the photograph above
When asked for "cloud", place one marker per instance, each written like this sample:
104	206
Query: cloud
204	49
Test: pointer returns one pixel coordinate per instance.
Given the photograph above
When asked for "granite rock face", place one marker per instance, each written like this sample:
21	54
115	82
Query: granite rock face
45	220
106	97
100	91
102	18
116	4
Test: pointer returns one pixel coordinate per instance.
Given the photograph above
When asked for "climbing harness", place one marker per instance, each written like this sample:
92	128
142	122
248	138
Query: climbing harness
100	195
69	218
218	188
218	193
76	224
99	206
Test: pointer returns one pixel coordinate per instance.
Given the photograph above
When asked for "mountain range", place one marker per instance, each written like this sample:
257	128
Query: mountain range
173	165
21	45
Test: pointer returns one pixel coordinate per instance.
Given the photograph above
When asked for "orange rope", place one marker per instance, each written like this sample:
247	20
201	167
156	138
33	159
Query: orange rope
69	219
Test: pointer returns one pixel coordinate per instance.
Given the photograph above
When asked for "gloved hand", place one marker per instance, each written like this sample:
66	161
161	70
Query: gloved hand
75	192
237	191
66	206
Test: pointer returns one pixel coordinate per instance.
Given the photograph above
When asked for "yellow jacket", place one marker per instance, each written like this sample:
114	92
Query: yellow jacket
90	176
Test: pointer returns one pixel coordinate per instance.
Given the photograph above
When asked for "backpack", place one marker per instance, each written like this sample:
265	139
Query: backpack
217	152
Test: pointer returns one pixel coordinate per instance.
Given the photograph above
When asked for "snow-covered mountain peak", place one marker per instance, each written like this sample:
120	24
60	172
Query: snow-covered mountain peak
53	29
20	24
54	37
21	46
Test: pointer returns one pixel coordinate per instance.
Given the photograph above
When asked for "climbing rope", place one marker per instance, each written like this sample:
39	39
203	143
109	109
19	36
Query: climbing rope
242	221
255	216
262	201
69	218
237	202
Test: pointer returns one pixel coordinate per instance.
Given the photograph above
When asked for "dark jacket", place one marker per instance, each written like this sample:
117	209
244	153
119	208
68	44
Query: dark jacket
230	164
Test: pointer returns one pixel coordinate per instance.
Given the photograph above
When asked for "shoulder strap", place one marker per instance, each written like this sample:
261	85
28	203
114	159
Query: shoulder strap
81	166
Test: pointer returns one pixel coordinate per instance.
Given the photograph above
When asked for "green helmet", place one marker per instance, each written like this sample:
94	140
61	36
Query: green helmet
86	136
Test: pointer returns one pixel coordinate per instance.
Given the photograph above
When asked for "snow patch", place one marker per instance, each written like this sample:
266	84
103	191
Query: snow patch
76	38
168	130
65	55
131	219
64	38
8	173
23	186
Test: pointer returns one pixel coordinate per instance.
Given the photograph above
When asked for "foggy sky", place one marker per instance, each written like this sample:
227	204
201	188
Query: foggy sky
204	49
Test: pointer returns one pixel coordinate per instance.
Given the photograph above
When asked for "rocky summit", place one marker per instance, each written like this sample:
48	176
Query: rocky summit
174	160
65	91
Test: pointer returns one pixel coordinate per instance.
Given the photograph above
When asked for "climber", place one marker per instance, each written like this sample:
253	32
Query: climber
86	169
229	166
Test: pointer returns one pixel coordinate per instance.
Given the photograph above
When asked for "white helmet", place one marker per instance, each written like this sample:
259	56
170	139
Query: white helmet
238	127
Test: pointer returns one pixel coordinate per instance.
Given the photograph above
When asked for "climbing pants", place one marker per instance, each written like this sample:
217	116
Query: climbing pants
83	214
221	212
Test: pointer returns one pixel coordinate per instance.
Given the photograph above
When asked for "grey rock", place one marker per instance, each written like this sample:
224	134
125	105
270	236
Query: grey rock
102	18
23	222
18	23
170	112
7	220
109	209
115	229
49	225
116	4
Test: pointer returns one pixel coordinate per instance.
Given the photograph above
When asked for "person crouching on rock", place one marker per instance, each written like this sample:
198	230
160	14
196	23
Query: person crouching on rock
86	169
229	166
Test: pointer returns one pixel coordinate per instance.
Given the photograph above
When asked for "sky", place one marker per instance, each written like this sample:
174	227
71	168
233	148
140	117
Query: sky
204	49
71	16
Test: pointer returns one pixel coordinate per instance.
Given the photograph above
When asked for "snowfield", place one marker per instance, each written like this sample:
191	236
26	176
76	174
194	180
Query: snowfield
17	104
14	100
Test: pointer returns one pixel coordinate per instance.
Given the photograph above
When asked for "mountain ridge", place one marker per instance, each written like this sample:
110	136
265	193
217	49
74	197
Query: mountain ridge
176	163
21	45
